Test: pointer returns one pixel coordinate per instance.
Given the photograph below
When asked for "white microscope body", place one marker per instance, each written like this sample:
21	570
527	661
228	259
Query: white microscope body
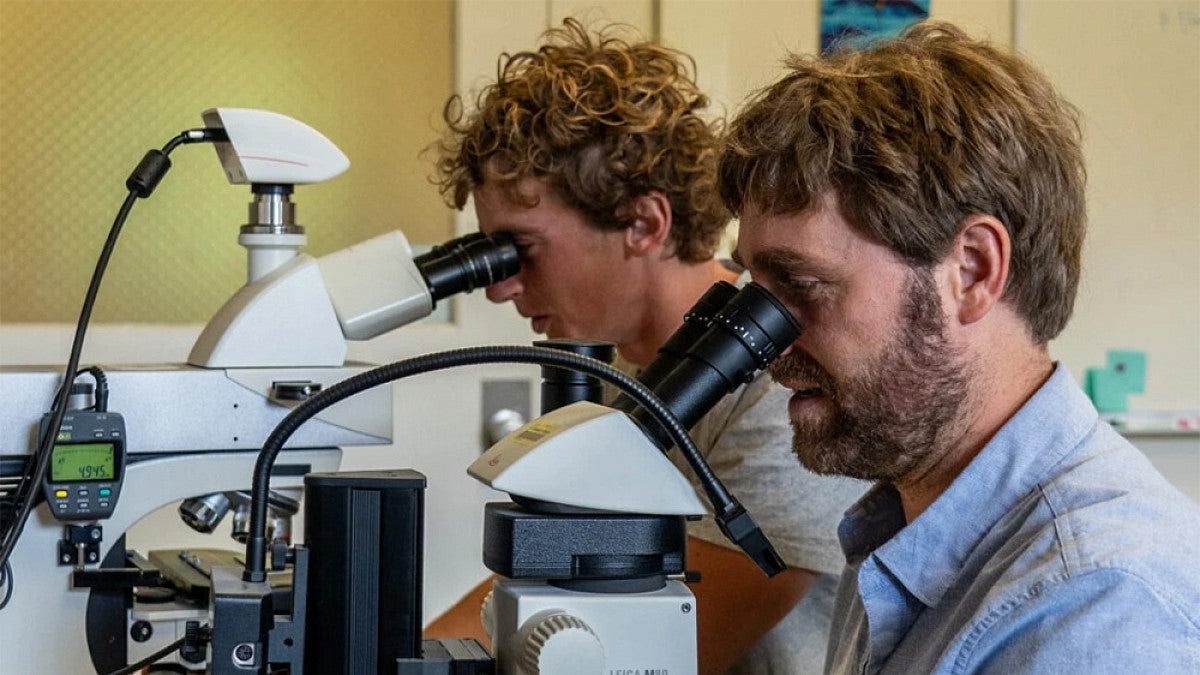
196	429
593	457
296	310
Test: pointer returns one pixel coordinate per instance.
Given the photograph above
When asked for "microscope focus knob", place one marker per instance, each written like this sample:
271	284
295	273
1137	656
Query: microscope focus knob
560	644
487	616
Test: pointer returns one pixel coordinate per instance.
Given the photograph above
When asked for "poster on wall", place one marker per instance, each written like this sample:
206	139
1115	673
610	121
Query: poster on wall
854	24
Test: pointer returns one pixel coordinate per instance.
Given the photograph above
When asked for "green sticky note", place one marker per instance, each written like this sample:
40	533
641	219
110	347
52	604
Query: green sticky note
1130	365
1106	388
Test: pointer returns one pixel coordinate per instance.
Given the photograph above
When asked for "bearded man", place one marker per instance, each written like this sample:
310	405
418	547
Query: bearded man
919	207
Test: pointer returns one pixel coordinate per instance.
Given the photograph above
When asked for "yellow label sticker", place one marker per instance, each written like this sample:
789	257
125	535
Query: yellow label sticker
534	432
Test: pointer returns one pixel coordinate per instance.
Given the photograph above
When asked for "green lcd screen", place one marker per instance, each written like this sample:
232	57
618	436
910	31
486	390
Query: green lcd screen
83	462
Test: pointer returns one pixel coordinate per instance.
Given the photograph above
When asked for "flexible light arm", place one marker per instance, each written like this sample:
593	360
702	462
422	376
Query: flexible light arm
727	508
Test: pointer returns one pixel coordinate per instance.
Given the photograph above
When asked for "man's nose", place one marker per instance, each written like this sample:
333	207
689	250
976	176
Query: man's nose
503	291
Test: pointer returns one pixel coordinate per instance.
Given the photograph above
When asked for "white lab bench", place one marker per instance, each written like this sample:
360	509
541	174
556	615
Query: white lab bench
1176	454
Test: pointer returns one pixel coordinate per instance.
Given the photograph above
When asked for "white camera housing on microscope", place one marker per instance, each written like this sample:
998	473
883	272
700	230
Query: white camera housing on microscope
268	148
296	310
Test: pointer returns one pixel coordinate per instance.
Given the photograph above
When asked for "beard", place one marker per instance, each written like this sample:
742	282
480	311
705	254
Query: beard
894	416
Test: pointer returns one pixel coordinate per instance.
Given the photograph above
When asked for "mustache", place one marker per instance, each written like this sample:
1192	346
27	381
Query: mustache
799	367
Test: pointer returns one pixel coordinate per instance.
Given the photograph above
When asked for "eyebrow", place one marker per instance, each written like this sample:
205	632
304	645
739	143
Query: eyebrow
786	262
515	230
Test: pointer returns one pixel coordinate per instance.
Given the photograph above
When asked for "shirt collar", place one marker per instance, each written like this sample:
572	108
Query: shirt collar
871	522
928	555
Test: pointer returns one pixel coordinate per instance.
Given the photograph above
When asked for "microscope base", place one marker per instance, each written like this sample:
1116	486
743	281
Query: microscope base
536	623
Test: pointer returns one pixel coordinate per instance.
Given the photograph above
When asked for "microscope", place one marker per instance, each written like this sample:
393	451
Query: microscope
591	550
191	431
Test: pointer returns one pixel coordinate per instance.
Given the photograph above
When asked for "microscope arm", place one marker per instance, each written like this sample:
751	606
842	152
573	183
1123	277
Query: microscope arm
298	311
302	313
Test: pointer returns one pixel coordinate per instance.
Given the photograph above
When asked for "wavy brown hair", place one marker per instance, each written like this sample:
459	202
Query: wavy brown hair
602	121
913	136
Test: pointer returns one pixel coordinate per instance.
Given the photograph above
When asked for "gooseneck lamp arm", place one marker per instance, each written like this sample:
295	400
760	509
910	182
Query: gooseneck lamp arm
729	512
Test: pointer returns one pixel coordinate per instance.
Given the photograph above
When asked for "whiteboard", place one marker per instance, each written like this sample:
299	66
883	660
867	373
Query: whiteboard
1133	69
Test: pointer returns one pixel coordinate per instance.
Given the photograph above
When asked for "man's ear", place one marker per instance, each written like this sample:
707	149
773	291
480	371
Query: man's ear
978	266
651	226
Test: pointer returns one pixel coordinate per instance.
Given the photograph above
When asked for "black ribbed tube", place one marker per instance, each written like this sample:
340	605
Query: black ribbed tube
30	483
144	178
256	544
448	247
695	323
563	386
749	332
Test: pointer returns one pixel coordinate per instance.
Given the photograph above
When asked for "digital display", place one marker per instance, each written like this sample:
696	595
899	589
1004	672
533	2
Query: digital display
83	462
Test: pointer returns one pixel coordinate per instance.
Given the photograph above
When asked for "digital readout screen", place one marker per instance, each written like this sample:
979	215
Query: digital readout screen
83	462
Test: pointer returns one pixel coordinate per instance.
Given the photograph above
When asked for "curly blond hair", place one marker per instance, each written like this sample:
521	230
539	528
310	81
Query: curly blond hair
602	121
913	136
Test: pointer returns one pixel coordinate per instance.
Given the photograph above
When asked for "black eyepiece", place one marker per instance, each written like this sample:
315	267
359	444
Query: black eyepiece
472	261
695	323
750	331
446	248
561	386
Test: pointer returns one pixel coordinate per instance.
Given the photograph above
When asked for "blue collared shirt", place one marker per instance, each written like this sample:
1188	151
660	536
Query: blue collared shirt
1059	549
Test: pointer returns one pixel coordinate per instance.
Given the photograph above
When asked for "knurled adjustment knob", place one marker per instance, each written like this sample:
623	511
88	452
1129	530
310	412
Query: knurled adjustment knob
487	616
561	644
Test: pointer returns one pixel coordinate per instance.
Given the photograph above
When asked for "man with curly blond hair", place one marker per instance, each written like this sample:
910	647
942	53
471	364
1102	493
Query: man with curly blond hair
592	152
920	208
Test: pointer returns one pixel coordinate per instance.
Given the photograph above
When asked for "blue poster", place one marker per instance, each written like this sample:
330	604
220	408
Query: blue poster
854	24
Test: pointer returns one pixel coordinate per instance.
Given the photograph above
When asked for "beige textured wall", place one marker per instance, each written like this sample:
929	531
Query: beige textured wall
1133	69
87	87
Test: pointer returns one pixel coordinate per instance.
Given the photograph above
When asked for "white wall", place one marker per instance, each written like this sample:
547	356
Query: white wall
1133	69
739	46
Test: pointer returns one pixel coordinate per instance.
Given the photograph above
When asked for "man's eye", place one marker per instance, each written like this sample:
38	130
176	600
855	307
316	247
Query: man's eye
804	290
